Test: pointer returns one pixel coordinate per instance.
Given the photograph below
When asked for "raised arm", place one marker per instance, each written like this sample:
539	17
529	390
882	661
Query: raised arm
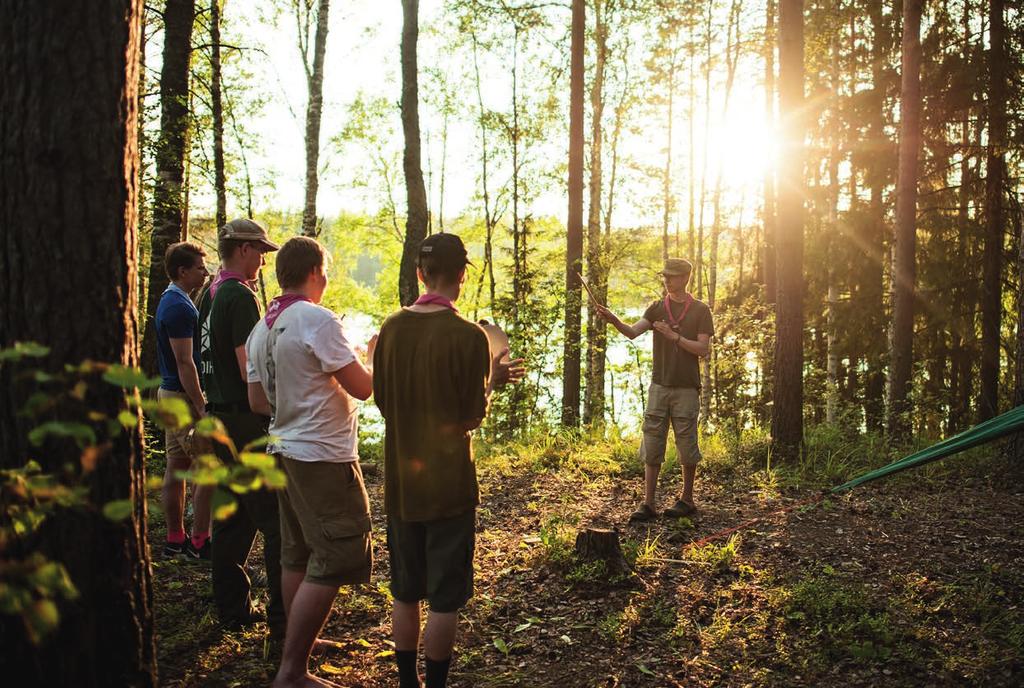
632	331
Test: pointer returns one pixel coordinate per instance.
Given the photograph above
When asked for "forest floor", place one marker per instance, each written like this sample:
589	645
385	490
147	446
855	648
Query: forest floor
913	580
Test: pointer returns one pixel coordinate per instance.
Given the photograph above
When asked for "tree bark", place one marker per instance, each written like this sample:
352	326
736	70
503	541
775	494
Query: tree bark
768	212
787	395
574	225
69	175
905	240
992	258
415	192
169	223
219	183
597	334
314	108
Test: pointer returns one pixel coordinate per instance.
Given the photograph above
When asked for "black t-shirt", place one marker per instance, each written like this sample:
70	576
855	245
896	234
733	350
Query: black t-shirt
673	366
224	324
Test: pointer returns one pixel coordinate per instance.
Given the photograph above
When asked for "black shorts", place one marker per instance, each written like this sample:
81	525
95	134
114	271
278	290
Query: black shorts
433	560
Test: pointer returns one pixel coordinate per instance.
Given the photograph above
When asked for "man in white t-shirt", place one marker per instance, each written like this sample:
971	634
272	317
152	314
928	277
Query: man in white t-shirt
303	373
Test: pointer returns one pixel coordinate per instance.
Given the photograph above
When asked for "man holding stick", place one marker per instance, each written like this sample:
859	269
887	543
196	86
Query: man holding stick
683	328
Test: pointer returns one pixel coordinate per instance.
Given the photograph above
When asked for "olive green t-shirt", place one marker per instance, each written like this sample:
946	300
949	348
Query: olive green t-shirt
224	324
674	367
430	375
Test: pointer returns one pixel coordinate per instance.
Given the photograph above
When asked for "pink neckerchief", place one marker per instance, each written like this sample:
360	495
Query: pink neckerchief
436	299
280	303
675	322
222	277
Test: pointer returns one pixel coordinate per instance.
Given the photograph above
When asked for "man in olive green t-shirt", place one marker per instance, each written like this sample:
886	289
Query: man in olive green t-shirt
433	375
683	330
228	311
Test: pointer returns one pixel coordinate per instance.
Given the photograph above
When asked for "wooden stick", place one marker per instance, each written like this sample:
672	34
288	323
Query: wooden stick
587	287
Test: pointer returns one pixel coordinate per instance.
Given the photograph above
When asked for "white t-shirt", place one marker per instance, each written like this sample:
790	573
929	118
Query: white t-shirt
314	418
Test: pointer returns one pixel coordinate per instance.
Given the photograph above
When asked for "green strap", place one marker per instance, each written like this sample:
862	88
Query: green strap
990	430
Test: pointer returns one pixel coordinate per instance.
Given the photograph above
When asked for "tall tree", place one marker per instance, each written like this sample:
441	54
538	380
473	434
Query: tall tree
905	239
69	172
415	191
992	257
169	223
574	225
768	212
788	390
307	16
217	108
593	402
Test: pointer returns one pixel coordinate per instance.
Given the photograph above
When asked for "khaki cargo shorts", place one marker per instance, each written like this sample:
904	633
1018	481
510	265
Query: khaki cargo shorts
325	522
183	444
679	406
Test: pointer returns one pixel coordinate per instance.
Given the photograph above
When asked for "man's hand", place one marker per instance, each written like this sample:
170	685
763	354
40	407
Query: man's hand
602	312
665	330
505	371
371	346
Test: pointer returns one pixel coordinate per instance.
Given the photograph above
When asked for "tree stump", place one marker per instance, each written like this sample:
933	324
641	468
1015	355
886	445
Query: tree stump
602	544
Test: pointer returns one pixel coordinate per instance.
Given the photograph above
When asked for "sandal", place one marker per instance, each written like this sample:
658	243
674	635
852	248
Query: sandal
643	513
680	509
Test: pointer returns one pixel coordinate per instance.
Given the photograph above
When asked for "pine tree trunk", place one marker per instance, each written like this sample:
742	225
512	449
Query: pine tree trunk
415	193
992	258
68	102
593	402
314	108
787	410
574	225
217	107
768	212
905	240
169	224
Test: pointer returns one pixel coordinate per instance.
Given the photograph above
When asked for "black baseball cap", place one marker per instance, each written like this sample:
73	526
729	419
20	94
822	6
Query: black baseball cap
447	250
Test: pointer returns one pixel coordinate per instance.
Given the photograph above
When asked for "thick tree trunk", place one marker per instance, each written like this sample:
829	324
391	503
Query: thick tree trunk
68	103
992	259
788	392
219	183
169	224
597	333
314	108
905	244
415	193
574	224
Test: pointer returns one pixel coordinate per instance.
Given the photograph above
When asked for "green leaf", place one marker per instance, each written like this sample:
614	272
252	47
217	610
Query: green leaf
41	619
275	479
22	350
81	433
258	443
522	627
260	462
170	413
129	378
224	505
643	669
128	419
118	510
502	647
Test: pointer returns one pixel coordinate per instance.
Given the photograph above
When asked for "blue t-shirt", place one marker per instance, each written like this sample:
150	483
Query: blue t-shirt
176	318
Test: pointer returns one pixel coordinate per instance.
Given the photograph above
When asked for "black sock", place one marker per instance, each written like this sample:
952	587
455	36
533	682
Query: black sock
407	676
437	672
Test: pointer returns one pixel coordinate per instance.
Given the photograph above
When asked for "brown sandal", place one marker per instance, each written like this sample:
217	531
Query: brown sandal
643	513
680	509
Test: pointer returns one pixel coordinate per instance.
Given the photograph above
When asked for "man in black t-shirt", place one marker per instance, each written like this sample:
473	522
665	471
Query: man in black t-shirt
683	329
228	311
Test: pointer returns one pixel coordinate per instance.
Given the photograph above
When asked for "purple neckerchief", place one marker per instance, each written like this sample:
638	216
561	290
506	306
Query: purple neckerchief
222	277
436	299
280	303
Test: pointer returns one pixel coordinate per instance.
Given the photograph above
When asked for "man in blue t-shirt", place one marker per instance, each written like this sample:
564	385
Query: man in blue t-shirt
177	321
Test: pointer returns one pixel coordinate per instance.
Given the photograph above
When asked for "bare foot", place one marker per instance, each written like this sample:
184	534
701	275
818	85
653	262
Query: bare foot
323	646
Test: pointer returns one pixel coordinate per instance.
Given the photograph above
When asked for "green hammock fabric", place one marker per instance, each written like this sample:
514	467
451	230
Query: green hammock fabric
990	430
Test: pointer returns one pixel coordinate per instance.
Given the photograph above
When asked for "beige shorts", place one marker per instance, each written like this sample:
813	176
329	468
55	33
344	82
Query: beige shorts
325	522
183	444
680	407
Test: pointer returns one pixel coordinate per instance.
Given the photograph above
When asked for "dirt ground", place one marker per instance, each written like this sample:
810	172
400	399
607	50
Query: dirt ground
903	582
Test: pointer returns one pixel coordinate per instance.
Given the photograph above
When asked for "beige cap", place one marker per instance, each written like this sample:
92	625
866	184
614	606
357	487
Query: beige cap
676	266
246	230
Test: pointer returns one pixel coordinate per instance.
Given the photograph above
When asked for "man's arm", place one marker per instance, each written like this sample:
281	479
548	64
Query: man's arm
188	374
242	361
632	331
258	402
698	347
357	379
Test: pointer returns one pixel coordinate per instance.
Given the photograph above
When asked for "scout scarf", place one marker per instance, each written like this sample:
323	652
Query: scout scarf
436	299
674	323
280	304
222	277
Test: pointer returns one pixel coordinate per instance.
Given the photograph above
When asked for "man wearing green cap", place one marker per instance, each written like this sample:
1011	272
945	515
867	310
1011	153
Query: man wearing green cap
683	329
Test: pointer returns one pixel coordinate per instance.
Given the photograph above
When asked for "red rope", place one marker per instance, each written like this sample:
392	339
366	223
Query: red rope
746	524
